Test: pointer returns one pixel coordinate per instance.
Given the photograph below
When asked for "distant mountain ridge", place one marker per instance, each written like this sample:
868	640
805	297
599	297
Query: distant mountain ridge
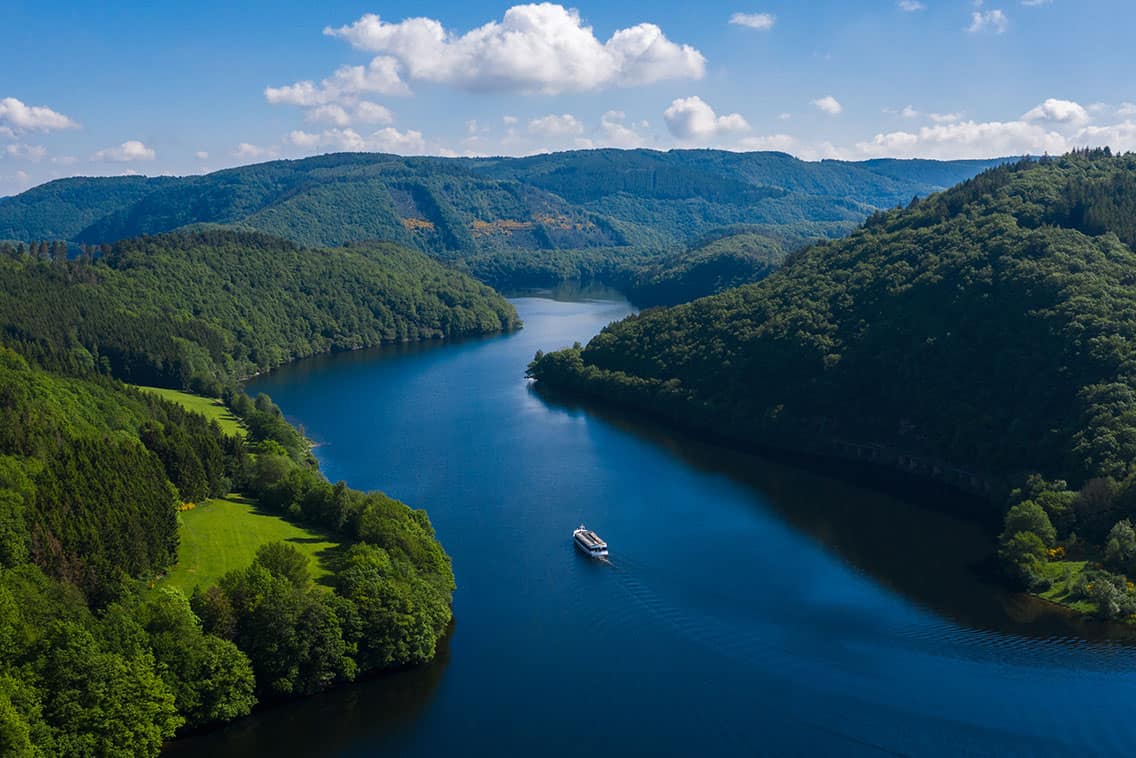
457	207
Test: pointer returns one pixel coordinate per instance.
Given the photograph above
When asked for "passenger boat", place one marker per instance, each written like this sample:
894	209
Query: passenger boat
589	542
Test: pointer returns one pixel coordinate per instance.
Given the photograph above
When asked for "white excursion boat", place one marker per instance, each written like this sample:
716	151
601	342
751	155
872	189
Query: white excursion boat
589	542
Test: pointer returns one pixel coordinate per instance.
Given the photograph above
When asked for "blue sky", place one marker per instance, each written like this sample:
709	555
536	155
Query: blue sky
190	87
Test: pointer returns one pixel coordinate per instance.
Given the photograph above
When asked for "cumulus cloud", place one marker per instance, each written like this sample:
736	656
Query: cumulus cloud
388	140
131	150
380	76
967	139
249	151
994	21
692	119
31	153
556	126
829	105
540	48
616	132
363	112
761	21
1061	111
37	118
910	6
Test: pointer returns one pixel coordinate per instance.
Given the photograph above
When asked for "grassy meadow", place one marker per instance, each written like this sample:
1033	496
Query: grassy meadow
219	536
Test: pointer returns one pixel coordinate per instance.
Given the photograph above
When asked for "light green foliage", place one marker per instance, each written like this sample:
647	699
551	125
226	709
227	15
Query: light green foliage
1023	554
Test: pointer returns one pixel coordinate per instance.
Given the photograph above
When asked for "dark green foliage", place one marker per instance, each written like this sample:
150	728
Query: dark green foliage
1120	548
212	681
729	261
491	214
192	311
966	329
1028	516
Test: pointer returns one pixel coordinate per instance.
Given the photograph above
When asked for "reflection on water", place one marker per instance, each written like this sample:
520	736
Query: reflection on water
750	607
914	547
341	717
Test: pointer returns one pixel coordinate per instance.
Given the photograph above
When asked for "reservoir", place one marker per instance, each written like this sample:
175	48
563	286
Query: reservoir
750	607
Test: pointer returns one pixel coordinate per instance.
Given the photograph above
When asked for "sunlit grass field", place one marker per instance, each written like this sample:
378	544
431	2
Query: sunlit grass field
221	535
210	407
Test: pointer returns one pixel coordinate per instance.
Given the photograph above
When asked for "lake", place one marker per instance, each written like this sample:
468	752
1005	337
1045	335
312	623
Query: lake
749	606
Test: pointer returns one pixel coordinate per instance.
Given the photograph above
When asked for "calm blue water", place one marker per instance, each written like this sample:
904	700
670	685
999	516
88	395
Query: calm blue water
749	608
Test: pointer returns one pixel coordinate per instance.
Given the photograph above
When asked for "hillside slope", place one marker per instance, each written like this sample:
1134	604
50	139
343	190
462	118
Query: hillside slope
193	309
457	207
990	327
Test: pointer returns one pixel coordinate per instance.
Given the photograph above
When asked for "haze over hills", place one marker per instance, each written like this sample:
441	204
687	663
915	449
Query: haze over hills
457	207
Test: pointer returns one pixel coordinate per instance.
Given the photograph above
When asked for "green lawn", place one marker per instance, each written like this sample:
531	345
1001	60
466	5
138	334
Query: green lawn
210	407
1064	575
221	535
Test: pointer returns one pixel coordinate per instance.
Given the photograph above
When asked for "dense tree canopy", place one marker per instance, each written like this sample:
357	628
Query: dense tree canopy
487	213
989	326
197	309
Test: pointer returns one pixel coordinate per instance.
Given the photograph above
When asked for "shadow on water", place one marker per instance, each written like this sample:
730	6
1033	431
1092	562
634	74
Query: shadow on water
905	535
344	717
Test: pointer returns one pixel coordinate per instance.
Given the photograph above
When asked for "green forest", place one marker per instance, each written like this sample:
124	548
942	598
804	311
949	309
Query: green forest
978	336
97	655
513	222
198	309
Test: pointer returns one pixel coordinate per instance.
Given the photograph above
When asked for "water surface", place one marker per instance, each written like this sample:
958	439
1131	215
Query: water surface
750	607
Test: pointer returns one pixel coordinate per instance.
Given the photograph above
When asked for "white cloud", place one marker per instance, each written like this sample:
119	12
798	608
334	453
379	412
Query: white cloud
201	155
131	150
762	21
784	116
31	153
909	112
1126	110
249	151
364	112
1035	3
988	21
967	139
829	105
7	132
509	120
380	76
910	6
616	133
556	126
692	119
540	48
1120	137
388	140
1061	111
944	118
38	118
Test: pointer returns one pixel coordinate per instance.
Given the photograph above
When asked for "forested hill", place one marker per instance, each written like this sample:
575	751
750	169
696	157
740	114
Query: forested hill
455	208
198	309
98	656
991	326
